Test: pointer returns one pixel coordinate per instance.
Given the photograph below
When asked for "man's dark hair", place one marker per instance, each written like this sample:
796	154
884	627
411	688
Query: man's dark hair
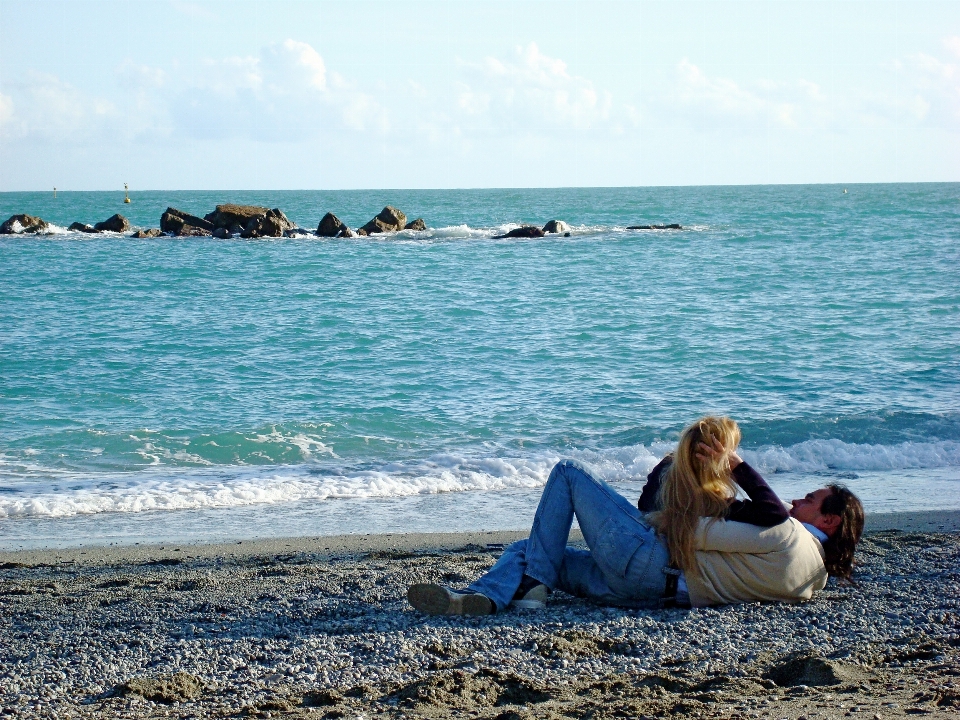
839	548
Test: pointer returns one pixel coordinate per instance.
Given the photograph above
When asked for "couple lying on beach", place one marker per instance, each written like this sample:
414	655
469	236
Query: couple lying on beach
688	543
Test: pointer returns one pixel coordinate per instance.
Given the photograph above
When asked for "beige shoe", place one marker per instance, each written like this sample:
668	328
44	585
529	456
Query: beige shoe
434	599
535	599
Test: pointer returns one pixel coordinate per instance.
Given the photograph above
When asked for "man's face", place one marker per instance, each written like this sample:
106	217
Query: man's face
807	509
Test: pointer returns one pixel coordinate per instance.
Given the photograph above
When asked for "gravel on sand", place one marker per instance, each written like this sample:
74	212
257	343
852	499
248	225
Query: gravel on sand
320	628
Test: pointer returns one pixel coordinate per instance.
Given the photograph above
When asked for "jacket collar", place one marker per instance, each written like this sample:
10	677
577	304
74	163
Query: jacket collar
816	532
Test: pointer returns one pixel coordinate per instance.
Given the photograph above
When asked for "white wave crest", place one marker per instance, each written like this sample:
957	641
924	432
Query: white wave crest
830	454
203	489
51	229
66	494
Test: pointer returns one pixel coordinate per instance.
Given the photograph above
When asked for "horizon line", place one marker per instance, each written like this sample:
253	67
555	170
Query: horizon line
518	187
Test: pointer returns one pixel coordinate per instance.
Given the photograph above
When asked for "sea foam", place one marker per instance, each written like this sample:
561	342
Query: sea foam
170	488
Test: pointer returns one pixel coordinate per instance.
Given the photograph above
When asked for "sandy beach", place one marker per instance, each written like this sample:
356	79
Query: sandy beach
320	627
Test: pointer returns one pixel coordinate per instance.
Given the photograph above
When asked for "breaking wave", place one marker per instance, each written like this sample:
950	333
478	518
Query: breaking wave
327	477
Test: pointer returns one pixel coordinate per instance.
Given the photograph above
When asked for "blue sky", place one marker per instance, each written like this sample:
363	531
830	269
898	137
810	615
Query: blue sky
258	95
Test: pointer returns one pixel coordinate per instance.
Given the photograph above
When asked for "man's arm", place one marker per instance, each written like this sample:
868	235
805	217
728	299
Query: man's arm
763	508
737	537
648	497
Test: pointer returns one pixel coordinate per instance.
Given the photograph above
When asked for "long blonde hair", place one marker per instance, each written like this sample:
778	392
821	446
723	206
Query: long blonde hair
693	489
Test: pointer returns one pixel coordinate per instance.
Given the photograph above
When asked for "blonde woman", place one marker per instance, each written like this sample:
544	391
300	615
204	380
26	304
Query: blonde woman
690	541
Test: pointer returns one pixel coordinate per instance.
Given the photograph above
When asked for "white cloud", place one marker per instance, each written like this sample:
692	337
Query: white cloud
531	90
953	45
362	112
284	93
192	10
6	110
139	77
227	76
937	84
921	89
290	68
294	66
710	100
924	89
49	109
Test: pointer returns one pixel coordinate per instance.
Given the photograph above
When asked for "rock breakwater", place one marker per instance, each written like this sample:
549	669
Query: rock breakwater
231	220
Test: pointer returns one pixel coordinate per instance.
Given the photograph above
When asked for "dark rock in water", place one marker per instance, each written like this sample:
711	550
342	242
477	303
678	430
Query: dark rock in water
227	215
222	233
150	233
566	234
389	220
347	232
169	689
191	231
272	224
82	227
806	668
361	232
115	223
556	226
330	226
673	226
174	221
417	224
295	232
17	224
527	231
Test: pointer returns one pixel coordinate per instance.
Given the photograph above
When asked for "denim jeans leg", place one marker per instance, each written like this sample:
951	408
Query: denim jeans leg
500	582
641	584
611	526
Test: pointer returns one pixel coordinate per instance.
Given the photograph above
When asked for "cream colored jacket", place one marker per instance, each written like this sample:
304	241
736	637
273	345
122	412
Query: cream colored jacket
745	563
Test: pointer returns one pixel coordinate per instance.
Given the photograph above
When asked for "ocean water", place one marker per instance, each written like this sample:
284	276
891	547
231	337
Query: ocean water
202	389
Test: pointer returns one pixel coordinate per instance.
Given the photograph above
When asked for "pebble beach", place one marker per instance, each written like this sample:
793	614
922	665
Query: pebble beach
320	627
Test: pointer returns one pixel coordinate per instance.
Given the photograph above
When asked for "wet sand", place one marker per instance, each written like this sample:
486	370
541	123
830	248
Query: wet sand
319	627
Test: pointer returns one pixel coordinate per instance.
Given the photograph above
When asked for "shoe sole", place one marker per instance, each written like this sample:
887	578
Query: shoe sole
529	604
535	599
434	599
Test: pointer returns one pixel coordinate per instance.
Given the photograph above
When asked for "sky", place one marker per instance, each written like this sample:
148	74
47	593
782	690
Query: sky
179	95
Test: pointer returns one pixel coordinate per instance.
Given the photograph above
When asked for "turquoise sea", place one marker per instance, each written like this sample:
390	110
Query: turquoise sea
204	389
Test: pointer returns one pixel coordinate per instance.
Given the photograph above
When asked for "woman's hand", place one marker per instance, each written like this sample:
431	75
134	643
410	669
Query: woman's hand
716	452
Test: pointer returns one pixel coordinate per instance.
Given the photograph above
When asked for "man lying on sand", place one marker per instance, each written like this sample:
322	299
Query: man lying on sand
688	543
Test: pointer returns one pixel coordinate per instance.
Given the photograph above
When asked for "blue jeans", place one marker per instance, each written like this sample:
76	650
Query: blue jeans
623	566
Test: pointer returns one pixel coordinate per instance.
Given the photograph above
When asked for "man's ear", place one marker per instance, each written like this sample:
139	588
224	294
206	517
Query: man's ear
829	523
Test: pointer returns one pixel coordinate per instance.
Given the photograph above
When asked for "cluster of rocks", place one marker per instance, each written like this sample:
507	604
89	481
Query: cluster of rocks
248	221
532	231
229	220
252	221
115	223
22	224
17	224
390	219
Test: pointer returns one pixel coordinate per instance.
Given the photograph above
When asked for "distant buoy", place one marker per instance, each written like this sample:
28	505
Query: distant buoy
54	192
844	191
126	197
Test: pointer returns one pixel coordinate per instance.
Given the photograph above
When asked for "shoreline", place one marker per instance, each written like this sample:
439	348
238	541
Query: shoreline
320	628
936	521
